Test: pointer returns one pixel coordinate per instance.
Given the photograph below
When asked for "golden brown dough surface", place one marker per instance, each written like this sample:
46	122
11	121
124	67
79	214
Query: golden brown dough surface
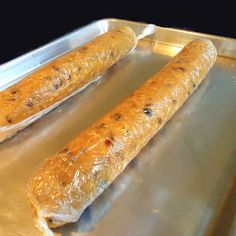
64	75
65	184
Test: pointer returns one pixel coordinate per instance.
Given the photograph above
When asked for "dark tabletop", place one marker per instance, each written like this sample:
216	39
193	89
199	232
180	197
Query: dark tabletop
26	28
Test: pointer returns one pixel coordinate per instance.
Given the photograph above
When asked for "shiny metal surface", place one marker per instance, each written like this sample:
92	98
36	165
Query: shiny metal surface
175	186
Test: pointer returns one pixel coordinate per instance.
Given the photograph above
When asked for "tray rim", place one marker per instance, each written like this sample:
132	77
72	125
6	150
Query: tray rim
102	20
169	28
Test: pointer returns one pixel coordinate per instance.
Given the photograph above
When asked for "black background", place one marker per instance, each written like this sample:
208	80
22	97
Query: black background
28	26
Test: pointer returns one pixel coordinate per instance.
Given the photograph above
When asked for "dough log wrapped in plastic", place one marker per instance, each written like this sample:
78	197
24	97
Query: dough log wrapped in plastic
52	83
66	183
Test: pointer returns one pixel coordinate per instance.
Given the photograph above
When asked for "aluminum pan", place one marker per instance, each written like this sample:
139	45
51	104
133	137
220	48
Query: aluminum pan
175	186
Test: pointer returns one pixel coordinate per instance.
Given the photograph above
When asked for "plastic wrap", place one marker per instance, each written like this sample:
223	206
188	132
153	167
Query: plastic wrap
43	90
65	184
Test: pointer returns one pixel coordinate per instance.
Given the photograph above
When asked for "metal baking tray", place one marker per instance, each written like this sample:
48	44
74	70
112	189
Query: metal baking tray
179	183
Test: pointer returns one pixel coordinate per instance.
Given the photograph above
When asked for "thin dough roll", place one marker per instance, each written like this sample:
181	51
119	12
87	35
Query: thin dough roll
63	76
66	183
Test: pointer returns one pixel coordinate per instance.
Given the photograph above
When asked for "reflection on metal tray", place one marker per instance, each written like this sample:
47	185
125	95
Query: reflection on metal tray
179	182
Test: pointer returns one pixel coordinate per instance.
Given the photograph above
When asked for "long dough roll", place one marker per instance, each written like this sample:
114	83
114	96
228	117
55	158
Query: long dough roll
63	76
68	182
